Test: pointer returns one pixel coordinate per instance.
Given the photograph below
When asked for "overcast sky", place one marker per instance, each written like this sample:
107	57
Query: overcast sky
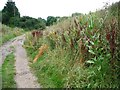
44	8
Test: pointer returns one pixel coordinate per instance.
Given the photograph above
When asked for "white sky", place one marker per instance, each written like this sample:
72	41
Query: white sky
44	8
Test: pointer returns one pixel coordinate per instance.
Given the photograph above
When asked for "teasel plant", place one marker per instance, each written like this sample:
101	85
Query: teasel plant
111	37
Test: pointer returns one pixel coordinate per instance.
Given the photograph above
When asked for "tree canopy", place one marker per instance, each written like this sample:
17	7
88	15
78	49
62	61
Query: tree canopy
11	17
51	20
9	11
0	16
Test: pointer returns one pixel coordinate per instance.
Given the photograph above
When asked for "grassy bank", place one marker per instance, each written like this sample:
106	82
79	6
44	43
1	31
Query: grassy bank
8	72
9	33
81	54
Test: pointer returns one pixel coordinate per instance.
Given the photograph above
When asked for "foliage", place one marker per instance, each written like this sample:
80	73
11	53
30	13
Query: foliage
31	23
51	20
42	23
11	17
8	33
83	52
9	11
76	14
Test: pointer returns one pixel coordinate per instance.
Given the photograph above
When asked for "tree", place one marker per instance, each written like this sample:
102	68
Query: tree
76	14
32	23
14	21
41	23
26	22
9	11
50	20
11	17
0	16
42	20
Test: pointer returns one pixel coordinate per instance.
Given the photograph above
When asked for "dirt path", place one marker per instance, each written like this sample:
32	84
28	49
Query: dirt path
24	78
5	50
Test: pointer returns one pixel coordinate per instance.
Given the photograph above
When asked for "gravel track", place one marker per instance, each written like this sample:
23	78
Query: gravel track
24	78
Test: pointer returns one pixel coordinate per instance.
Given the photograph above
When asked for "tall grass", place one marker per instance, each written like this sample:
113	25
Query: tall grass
83	53
8	33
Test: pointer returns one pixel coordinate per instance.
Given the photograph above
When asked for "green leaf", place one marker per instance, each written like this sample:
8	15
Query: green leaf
91	51
89	61
92	42
99	68
96	42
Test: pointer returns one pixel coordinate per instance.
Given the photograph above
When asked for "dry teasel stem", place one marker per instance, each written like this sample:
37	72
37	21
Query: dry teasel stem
110	36
71	44
75	21
83	51
63	38
77	24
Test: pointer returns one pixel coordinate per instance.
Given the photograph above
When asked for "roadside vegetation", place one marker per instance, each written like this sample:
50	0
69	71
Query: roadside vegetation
8	72
83	51
8	33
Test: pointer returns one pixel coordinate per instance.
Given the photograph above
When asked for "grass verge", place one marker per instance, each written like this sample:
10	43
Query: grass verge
8	33
8	72
83	56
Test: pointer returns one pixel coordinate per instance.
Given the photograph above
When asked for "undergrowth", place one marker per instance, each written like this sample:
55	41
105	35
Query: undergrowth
82	54
8	33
